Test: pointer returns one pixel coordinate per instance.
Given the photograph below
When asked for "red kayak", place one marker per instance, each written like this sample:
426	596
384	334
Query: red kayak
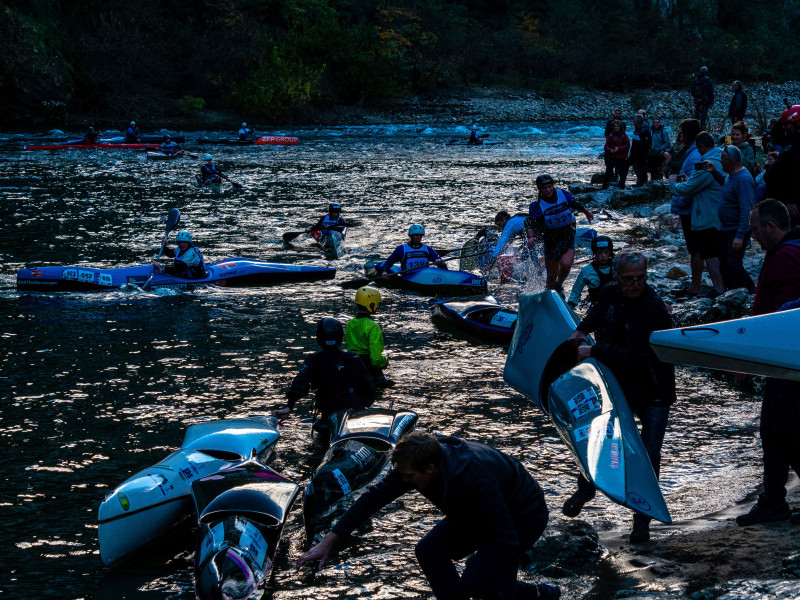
276	140
80	146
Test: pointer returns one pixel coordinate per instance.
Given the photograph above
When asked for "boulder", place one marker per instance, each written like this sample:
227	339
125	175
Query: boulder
582	188
676	272
663	209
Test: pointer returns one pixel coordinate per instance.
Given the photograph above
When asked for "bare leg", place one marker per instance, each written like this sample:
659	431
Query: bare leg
553	267
564	267
697	266
716	275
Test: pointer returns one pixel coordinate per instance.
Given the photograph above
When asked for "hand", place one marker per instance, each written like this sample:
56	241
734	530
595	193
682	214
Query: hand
673	179
384	276
438	262
157	265
793	210
578	336
738	244
584	352
281	413
319	552
710	167
589	215
667	155
164	240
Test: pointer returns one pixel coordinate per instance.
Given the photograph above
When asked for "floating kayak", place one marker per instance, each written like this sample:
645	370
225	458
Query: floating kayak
585	403
429	280
240	512
154	500
162	156
232	272
145	139
465	143
214	187
763	345
331	242
359	450
109	146
264	140
480	317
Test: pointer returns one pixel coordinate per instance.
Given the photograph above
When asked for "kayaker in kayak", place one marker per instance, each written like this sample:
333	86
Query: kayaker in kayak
414	254
551	221
209	173
170	147
339	377
188	259
364	336
494	512
91	136
597	273
245	134
474	139
132	135
333	221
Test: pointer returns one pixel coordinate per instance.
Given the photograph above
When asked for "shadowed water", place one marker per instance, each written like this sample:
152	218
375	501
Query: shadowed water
97	386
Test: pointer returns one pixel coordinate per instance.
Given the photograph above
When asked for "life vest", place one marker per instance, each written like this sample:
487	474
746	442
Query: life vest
415	258
605	278
208	172
170	148
556	214
190	264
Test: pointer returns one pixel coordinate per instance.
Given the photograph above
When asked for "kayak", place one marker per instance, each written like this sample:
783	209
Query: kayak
153	501
74	146
146	139
585	403
214	187
359	451
480	317
465	143
763	345
232	272
331	242
430	280
240	512
264	140
162	156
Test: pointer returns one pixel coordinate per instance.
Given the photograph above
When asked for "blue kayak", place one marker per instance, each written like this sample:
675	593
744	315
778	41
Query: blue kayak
430	280
233	272
480	317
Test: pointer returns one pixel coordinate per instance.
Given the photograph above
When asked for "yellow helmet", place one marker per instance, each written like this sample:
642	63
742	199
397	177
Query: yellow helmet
369	298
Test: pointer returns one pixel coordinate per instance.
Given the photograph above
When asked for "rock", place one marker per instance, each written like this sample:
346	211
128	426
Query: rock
663	209
597	178
736	303
582	188
676	272
566	548
630	197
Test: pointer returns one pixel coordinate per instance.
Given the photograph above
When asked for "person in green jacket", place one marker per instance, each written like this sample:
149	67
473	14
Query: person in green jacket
364	336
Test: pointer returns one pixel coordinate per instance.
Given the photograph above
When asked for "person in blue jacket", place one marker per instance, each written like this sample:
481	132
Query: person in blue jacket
333	221
209	172
494	512
132	134
170	147
245	134
414	254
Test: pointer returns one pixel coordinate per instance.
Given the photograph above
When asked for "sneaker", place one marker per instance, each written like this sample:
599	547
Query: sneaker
547	592
640	532
764	514
574	504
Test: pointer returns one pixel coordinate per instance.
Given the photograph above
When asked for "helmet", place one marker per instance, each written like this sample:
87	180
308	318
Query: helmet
791	114
183	236
333	206
543	180
91	128
369	298
208	157
133	123
602	242
244	124
329	333
416	230
704	70
166	136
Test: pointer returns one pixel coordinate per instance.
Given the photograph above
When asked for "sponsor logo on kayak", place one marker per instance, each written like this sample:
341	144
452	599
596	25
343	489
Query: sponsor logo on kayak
524	337
34	282
638	501
342	480
36	273
123	501
227	265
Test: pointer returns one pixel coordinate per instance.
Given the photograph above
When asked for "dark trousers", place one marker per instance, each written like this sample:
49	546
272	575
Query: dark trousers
701	113
780	443
654	421
639	168
655	164
618	167
448	542
733	272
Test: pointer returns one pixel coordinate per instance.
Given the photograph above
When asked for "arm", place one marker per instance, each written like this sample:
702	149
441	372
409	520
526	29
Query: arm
386	491
317	226
393	258
577	288
698	181
580	208
375	339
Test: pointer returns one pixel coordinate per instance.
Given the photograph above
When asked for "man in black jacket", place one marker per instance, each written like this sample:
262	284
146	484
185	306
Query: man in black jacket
494	511
624	316
783	177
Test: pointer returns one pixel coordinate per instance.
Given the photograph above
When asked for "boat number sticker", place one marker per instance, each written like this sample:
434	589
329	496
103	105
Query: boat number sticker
343	483
478	282
87	276
104	279
502	319
215	533
583	403
69	274
584	433
254	543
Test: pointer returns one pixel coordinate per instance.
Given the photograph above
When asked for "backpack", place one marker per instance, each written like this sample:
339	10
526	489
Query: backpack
698	89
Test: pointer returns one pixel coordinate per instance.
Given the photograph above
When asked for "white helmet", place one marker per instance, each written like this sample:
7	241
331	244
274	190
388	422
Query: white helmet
183	236
208	157
416	230
244	124
133	123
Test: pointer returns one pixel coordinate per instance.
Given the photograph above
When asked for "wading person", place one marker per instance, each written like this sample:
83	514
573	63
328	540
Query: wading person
188	259
597	273
625	314
363	336
494	511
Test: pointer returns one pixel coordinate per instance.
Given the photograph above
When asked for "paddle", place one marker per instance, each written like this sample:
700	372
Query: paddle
354	284
238	186
290	235
173	218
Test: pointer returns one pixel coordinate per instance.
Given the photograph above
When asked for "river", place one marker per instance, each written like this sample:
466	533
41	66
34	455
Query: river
97	386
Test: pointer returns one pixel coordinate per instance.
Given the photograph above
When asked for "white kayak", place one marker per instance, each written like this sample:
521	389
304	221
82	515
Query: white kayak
153	501
214	187
585	403
763	345
331	242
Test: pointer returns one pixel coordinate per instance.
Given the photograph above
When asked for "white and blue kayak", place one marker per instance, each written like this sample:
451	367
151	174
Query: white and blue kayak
331	242
215	187
480	317
764	345
585	403
153	501
430	280
232	272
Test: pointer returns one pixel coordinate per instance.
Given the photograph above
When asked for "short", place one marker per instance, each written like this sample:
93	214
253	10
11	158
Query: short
707	242
688	234
557	242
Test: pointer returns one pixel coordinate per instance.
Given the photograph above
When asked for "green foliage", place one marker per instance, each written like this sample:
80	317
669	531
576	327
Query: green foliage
191	106
638	101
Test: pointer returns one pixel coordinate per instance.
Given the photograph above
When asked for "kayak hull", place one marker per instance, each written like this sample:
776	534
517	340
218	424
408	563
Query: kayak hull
107	146
264	140
761	345
230	272
162	156
429	280
479	317
332	243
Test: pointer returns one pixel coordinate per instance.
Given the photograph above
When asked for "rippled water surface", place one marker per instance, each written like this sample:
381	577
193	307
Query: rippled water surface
96	386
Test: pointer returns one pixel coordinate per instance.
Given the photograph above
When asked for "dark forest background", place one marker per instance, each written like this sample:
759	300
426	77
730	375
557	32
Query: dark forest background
281	61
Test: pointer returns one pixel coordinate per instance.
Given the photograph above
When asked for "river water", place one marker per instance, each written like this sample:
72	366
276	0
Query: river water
96	386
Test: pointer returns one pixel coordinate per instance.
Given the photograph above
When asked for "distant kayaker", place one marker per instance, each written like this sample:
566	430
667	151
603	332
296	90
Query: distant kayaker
170	147
414	254
474	138
245	134
627	311
597	273
91	136
132	135
333	221
552	222
364	336
209	173
494	513
339	377
188	259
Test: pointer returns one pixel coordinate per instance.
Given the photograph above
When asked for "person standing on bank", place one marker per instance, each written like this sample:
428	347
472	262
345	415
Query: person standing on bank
738	105
626	313
703	94
494	511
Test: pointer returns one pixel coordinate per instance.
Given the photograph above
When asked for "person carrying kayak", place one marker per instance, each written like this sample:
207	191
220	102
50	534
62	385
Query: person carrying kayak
414	254
333	221
597	273
364	336
209	173
245	134
91	136
339	377
509	227
551	221
188	263
132	135
169	147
